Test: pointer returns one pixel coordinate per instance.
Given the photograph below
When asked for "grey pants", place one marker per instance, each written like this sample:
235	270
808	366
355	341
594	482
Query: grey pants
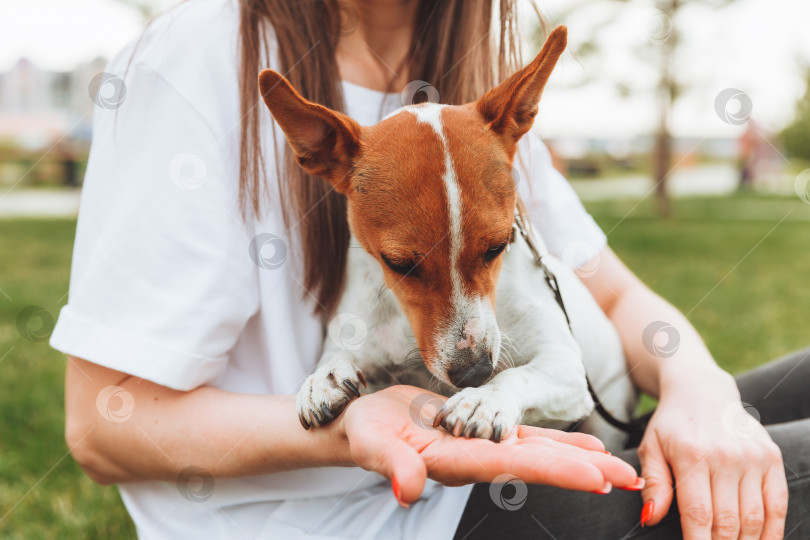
780	394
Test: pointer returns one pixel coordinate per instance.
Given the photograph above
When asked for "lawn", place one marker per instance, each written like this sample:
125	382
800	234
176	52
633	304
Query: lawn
739	272
43	494
738	266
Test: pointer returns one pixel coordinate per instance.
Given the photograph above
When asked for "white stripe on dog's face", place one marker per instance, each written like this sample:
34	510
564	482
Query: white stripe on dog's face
432	114
473	324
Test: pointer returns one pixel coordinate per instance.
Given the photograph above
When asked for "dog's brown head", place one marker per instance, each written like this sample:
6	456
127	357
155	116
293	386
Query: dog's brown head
431	196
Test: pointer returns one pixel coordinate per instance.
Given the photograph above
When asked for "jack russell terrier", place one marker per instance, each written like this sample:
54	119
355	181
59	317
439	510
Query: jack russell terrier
432	207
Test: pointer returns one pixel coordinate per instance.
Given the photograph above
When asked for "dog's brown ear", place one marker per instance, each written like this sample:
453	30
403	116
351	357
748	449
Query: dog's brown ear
324	141
509	108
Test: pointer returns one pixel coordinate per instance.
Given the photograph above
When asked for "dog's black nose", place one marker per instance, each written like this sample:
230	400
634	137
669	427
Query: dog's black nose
470	369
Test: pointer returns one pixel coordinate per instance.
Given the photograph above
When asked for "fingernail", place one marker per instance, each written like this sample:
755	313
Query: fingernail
395	488
638	485
605	489
646	512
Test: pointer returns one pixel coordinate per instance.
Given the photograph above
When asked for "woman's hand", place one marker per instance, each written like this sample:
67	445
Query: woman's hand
729	477
390	432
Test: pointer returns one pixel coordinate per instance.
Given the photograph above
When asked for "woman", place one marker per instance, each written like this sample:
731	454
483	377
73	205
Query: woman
187	340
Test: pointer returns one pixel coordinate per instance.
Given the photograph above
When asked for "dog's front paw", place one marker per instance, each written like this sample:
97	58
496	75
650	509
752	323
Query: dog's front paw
326	393
478	412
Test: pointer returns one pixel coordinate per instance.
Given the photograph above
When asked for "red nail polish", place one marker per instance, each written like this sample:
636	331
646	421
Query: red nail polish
637	486
396	490
646	512
608	453
605	489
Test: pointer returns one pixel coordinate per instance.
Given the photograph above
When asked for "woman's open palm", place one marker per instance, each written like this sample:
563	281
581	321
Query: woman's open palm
391	432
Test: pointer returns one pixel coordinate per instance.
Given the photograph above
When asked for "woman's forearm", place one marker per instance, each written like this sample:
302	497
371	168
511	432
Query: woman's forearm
159	432
664	352
663	349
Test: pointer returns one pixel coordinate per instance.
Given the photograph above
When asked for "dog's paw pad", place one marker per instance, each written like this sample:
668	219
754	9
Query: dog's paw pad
476	412
326	393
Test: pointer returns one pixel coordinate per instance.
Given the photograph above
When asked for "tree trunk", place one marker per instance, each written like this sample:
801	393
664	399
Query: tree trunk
662	161
662	151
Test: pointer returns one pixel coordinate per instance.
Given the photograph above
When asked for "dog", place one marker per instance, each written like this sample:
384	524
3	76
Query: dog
436	271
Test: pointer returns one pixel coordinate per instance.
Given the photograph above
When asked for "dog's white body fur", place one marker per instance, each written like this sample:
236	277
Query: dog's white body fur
539	365
546	385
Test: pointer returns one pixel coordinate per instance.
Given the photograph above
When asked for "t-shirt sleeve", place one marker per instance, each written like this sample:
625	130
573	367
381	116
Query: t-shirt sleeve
162	283
568	230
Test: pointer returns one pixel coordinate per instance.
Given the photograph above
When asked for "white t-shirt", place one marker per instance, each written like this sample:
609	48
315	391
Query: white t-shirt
163	285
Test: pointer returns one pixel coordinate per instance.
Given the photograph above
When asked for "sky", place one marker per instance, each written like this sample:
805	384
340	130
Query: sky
754	46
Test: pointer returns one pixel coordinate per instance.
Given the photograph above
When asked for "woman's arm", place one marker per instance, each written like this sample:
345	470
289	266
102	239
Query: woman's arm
729	484
159	432
167	430
633	307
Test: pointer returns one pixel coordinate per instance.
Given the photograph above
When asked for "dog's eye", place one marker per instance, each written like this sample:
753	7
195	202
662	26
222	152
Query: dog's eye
494	252
404	268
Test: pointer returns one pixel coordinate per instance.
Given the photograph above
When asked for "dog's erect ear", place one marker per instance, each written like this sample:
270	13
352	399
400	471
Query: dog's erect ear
509	108
324	141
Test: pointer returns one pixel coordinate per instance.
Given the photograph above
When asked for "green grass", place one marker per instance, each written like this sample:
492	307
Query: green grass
43	493
737	266
741	277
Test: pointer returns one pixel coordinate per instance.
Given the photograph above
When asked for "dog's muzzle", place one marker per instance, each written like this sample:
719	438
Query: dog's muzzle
470	368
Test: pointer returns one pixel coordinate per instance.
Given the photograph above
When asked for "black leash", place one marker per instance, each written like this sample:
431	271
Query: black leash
634	426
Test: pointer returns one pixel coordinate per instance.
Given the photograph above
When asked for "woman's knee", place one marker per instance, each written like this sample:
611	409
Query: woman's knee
777	391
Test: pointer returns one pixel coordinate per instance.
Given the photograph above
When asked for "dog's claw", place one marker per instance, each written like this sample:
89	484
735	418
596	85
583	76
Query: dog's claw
439	418
362	378
457	428
327	414
303	421
469	431
352	388
496	434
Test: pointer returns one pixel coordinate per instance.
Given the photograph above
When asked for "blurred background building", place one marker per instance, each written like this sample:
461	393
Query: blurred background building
38	106
655	97
45	123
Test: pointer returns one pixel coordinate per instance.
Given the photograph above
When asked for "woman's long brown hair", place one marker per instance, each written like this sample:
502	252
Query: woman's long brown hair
456	48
